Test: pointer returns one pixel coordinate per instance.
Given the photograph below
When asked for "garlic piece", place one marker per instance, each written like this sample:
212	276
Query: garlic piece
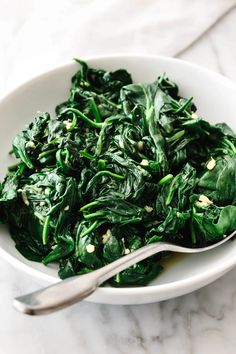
90	248
140	145
211	164
194	115
203	201
30	144
148	209
144	162
67	124
106	236
24	197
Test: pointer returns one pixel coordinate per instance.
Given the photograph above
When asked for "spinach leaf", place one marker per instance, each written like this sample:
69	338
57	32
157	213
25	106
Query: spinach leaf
25	143
211	223
146	96
219	183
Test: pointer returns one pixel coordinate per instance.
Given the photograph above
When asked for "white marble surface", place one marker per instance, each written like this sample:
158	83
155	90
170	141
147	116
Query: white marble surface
199	323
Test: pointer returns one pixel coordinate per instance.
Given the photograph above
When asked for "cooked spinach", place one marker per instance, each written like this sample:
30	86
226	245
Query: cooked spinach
122	165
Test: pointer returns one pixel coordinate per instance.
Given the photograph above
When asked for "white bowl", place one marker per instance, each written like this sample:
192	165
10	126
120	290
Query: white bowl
215	99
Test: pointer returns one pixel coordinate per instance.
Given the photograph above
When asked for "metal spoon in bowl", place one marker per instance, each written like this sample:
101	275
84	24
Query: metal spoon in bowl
77	288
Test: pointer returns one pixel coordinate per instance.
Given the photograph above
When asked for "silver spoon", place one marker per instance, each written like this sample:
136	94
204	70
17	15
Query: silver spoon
77	288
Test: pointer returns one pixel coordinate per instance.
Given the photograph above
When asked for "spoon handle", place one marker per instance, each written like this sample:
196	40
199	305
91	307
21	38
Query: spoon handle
77	288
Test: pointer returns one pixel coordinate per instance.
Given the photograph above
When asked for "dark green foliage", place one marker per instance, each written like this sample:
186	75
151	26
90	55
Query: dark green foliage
213	182
121	166
209	224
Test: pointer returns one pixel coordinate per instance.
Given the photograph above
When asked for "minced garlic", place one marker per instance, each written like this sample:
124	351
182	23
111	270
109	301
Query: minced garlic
106	236
67	124
194	115
211	164
148	209
90	248
144	163
203	201
140	145
24	197
30	144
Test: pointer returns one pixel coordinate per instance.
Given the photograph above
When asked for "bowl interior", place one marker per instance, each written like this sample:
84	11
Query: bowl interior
215	99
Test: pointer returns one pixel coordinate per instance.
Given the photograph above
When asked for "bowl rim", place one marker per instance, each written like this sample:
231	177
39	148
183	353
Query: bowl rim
170	287
224	80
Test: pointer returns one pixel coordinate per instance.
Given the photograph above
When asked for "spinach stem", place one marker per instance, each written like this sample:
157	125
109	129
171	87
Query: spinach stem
108	101
46	153
84	117
89	205
94	215
117	278
170	193
100	139
73	123
176	136
103	173
134	220
165	179
184	106
95	110
60	160
90	229
46	229
87	155
230	144
111	174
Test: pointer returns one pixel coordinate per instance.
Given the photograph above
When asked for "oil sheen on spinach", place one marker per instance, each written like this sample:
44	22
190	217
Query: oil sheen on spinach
122	165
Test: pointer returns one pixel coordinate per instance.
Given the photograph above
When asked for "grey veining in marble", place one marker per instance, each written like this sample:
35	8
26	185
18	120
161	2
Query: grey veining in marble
199	323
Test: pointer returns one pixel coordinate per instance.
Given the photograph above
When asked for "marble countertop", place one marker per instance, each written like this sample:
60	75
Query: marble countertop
199	323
